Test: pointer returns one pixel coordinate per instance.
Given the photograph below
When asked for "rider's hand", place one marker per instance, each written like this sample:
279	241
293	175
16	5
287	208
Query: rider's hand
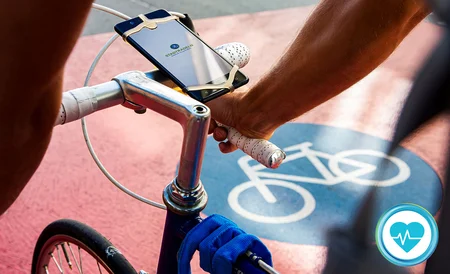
233	110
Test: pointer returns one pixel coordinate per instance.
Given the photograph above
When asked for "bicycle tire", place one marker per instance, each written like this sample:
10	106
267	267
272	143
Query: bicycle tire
88	237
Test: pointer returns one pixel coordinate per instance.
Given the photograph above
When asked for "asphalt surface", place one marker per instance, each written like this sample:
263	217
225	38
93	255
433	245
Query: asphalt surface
100	22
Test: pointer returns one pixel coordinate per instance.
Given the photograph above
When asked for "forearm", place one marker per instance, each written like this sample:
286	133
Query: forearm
342	42
38	38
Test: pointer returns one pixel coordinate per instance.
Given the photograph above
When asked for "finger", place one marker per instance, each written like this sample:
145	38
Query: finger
227	147
212	126
220	134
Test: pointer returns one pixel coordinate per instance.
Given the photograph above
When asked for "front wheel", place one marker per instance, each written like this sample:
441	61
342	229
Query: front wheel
68	244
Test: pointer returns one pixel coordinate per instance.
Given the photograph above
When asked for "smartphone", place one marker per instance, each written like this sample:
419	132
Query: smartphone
182	56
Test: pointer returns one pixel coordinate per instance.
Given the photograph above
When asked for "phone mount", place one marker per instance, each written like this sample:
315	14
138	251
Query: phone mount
147	23
153	24
228	84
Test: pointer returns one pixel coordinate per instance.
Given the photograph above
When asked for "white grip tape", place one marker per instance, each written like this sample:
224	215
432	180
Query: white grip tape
261	150
76	104
235	53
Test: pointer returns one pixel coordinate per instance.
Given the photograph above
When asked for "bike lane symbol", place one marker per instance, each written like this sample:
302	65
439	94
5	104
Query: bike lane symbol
320	184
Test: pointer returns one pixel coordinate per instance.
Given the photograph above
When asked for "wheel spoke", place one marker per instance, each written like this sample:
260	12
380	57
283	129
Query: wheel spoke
99	269
54	260
81	262
46	269
63	246
74	258
59	258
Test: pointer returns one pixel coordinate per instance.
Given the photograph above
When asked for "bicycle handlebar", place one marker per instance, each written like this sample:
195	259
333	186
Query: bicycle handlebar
81	102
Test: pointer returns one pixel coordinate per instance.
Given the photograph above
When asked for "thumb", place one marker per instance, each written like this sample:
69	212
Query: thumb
231	110
225	108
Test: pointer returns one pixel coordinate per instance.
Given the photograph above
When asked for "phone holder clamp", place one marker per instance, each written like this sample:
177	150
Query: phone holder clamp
147	23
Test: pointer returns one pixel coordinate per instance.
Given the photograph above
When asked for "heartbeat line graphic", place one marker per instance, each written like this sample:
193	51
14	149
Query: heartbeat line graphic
407	236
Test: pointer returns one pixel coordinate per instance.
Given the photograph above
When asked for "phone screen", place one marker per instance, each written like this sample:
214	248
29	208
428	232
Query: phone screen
185	56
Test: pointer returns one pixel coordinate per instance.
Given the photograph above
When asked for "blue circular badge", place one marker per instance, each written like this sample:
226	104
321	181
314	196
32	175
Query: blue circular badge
174	46
407	235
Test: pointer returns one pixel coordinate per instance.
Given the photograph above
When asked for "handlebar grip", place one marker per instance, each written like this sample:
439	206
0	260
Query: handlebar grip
81	102
76	104
235	53
261	150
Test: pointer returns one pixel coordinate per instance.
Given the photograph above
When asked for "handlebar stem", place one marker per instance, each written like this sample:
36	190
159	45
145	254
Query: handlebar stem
185	194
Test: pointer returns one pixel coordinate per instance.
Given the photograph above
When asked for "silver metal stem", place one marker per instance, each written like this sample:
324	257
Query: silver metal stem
108	94
194	117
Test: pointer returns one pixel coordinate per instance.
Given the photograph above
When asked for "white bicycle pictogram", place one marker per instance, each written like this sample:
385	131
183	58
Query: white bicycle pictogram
332	175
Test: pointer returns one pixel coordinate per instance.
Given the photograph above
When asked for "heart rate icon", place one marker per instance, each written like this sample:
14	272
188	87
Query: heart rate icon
407	236
410	227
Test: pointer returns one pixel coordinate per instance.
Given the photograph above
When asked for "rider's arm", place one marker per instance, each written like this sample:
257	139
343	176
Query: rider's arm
342	42
37	38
